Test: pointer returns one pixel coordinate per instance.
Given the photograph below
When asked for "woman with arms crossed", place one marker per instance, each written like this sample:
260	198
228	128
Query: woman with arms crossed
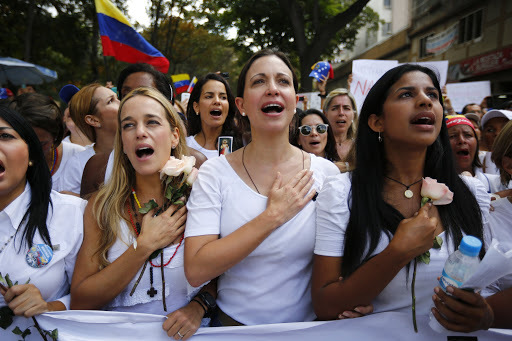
369	227
118	240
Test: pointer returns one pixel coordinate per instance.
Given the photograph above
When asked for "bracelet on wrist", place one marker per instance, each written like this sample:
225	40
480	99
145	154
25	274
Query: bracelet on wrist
201	304
322	95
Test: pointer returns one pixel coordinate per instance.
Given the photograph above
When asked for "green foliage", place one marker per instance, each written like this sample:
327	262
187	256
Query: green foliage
148	206
6	317
307	30
23	334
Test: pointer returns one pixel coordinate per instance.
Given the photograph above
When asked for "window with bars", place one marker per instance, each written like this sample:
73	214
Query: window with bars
470	27
423	46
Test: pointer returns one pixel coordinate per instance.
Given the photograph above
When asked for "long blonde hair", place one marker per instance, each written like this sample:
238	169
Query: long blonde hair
108	209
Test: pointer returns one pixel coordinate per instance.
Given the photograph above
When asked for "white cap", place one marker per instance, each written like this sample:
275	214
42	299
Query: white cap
496	113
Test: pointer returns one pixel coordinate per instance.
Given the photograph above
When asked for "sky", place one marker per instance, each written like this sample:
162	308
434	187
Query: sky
137	12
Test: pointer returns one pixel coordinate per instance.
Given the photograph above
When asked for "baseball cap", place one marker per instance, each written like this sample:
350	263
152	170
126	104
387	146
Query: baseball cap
496	113
68	91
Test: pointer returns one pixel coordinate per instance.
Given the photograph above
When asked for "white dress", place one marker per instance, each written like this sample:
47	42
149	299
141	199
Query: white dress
68	150
176	285
191	142
333	213
65	225
272	284
74	169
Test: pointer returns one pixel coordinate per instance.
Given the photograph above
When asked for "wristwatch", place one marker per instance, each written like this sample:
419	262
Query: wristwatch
209	301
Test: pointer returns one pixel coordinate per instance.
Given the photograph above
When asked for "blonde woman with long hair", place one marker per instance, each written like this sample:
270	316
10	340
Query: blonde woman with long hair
118	240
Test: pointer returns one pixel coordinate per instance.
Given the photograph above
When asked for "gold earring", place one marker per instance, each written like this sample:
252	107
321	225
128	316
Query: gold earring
30	163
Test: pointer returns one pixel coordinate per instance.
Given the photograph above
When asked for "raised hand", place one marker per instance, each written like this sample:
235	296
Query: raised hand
414	236
284	202
160	231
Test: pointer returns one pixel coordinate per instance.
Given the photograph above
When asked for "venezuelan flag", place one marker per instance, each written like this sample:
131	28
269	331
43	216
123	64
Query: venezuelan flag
181	82
192	84
120	40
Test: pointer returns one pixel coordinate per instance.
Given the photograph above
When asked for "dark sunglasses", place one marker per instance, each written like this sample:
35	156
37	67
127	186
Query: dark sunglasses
320	129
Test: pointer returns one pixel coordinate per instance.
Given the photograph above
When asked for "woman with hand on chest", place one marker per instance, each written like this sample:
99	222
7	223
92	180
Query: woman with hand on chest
371	224
115	269
251	218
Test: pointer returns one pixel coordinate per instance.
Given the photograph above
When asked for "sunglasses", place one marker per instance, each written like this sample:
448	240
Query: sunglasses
320	129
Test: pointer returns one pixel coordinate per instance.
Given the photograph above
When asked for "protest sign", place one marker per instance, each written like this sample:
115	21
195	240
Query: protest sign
464	93
365	72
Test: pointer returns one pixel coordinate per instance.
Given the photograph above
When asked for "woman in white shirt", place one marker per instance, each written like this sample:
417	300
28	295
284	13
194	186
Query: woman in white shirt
40	230
45	117
118	239
370	227
465	147
210	114
251	218
94	111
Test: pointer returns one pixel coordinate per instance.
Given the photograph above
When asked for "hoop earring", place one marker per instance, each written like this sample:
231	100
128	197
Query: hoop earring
380	138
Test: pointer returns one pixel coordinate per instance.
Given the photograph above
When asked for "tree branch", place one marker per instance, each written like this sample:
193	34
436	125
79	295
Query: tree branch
331	27
296	16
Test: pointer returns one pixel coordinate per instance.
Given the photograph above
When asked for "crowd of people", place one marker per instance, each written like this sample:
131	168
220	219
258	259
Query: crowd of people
294	215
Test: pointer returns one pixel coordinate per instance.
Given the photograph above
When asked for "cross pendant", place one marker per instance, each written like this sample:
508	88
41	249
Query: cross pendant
152	292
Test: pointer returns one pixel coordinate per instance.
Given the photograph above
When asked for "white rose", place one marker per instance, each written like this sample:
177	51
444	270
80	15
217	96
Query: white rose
173	167
189	161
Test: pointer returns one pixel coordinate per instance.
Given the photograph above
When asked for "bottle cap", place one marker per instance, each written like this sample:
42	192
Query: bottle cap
470	246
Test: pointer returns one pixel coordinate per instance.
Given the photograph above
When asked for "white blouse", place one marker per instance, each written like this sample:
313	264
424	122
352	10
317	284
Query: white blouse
65	226
333	213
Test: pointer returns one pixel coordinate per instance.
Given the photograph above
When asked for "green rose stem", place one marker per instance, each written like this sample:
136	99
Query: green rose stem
38	327
414	298
424	258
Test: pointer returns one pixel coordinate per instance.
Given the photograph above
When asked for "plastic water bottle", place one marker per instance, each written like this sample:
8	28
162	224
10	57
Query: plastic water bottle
459	266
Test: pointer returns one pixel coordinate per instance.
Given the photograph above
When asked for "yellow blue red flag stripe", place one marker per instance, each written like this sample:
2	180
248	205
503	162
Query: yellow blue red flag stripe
181	82
120	40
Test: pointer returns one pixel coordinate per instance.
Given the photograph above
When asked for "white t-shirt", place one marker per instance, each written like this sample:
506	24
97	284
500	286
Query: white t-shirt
333	213
68	150
489	166
191	142
272	284
72	177
65	226
491	182
500	223
176	285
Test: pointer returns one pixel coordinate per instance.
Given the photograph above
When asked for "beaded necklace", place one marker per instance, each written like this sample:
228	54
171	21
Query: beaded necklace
136	227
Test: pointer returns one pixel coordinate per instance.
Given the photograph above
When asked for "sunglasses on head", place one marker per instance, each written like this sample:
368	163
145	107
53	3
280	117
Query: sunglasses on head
320	129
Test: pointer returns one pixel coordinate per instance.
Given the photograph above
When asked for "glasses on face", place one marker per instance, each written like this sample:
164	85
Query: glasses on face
320	129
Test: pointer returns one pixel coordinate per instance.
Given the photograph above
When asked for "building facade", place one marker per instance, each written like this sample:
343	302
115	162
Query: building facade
475	36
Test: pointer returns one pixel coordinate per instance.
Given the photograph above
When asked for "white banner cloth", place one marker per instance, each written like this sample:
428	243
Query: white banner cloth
104	325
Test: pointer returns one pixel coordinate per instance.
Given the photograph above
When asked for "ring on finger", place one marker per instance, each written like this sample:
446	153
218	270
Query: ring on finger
181	336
